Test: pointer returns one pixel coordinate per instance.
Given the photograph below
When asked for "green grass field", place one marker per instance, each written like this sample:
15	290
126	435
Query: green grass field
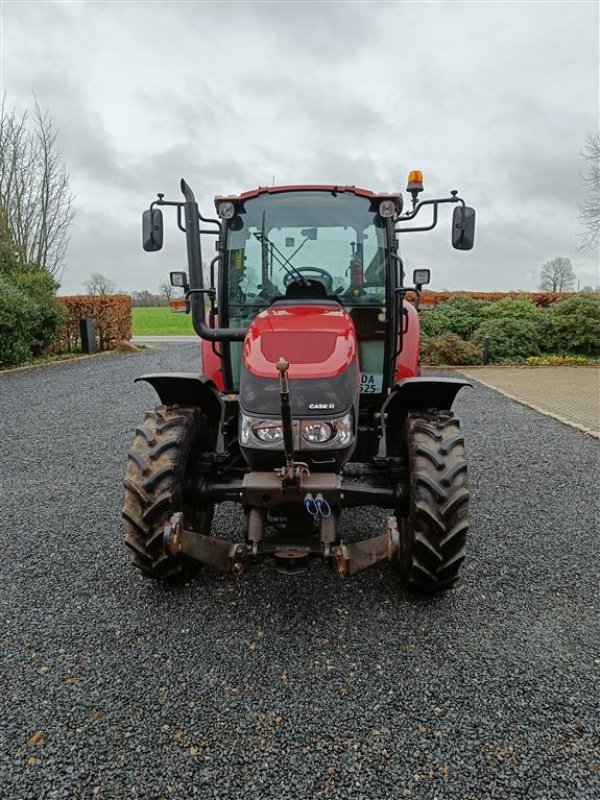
160	322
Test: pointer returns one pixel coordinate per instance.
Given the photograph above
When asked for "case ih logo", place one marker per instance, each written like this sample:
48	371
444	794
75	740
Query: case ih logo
321	406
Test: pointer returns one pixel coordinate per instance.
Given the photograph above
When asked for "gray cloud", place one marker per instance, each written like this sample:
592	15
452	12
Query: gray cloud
491	99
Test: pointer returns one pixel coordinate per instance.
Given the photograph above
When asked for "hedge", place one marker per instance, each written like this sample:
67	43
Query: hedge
574	324
517	328
541	299
112	313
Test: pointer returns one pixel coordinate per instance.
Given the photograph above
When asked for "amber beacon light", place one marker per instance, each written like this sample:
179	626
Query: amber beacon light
415	181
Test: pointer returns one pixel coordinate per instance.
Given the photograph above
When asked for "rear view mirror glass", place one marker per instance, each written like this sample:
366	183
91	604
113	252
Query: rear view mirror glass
152	230
463	228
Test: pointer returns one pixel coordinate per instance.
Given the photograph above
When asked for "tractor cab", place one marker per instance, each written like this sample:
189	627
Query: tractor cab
301	246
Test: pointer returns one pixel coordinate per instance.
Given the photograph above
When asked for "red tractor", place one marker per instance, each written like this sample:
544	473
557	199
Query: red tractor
310	398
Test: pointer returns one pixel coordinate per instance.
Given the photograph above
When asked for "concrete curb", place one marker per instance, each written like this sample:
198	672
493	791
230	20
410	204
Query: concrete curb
166	339
544	411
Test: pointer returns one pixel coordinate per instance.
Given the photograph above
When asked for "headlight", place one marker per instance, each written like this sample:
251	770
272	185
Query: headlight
318	432
331	431
344	430
265	430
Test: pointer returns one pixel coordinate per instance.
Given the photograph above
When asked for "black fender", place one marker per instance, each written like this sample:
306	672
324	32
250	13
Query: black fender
422	394
416	394
186	389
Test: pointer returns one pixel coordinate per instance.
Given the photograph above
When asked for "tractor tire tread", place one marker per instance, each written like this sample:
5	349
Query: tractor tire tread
154	485
138	460
437	461
161	447
452	441
437	525
146	433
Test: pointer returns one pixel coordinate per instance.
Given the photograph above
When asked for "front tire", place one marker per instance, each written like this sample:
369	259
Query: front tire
160	464
433	535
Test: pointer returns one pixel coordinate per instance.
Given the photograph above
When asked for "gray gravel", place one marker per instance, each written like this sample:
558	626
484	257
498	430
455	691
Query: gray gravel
275	687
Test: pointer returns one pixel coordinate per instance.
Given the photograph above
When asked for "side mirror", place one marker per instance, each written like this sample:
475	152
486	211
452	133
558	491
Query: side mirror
463	228
179	279
421	277
152	230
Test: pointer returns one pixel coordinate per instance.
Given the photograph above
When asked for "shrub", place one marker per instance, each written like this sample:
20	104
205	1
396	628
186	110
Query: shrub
556	360
17	313
460	315
49	316
30	316
451	350
514	308
510	338
574	324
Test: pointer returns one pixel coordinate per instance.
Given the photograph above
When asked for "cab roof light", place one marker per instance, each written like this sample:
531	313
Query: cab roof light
226	209
388	207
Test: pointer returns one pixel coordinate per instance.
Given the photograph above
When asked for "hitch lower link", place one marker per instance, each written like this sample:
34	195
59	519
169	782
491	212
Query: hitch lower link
352	558
233	558
224	556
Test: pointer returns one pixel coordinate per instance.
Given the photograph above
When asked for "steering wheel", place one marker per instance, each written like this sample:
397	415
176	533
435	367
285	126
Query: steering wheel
320	273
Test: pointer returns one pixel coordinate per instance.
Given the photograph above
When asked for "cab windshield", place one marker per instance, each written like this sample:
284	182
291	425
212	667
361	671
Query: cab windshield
304	241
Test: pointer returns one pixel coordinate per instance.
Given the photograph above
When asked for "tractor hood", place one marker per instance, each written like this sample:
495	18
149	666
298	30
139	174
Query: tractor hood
319	342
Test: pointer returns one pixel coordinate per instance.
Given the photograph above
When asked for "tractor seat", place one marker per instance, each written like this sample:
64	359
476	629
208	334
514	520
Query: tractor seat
311	288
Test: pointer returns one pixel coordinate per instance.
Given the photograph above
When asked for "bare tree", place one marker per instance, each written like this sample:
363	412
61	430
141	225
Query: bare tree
589	210
35	195
9	258
166	291
557	275
99	284
146	299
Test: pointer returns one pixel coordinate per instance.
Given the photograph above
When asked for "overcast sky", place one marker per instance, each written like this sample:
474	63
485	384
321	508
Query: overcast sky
492	99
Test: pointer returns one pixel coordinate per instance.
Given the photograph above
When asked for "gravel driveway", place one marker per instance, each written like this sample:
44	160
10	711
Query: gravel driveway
278	687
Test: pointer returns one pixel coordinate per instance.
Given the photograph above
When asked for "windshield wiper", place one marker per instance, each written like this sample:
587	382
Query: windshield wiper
276	252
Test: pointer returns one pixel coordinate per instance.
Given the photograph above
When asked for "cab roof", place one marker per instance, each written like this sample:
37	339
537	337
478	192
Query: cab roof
304	188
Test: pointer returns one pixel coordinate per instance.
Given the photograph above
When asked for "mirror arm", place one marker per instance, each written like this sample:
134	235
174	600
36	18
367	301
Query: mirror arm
180	224
213	222
161	202
424	227
433	202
